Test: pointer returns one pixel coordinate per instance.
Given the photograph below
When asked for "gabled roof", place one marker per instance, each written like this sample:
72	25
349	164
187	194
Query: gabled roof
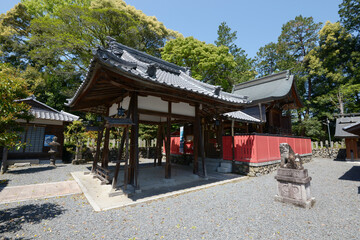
148	69
42	111
269	88
345	123
242	117
353	128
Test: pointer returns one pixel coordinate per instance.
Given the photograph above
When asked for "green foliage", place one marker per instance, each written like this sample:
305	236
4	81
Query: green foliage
147	132
310	127
349	15
12	87
207	62
14	35
243	70
75	135
334	71
52	40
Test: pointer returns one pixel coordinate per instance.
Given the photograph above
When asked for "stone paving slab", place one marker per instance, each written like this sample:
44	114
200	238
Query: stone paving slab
36	191
99	199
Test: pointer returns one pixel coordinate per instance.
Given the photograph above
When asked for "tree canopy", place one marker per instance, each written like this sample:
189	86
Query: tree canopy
12	87
207	62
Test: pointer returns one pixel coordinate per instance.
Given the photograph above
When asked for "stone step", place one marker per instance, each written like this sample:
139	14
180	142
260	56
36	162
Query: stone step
224	170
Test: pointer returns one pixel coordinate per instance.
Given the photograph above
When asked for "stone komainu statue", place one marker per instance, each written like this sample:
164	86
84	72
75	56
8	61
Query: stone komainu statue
288	158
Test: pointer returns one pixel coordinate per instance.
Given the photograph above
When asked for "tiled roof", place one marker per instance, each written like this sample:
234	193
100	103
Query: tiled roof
149	68
241	116
43	111
268	88
344	123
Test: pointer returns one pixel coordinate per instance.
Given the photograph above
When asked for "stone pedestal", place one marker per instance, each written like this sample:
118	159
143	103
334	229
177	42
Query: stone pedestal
294	187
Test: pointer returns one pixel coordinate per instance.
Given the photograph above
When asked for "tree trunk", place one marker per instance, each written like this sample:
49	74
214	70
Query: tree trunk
341	103
4	164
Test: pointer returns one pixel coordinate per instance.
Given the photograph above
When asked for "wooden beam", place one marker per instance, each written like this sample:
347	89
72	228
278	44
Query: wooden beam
168	136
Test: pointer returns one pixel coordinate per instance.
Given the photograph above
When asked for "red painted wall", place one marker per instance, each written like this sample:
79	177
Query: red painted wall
251	148
262	148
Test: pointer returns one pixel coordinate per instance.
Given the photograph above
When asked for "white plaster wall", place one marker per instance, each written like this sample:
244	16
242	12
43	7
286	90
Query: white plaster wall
183	109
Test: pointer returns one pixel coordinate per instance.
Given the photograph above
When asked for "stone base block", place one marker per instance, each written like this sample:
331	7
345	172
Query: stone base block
305	204
224	170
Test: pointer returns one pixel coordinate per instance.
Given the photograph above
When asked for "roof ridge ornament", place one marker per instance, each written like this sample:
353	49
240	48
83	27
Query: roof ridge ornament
217	90
151	70
188	71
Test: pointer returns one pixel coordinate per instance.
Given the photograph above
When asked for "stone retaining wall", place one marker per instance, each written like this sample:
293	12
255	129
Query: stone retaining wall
253	170
333	153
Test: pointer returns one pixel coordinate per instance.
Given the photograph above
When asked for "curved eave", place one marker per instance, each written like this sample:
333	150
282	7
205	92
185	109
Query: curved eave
98	65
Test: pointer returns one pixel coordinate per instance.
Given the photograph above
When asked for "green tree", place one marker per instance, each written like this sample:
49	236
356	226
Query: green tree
243	70
267	59
299	37
333	72
52	40
207	62
75	136
14	35
349	15
12	88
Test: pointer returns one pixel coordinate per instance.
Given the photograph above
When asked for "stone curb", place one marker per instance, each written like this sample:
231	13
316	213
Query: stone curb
86	193
157	197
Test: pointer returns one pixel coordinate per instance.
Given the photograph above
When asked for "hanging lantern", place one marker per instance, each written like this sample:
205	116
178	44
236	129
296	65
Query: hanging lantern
121	112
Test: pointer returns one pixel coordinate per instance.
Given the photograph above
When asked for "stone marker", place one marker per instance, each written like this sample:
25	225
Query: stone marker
53	150
293	179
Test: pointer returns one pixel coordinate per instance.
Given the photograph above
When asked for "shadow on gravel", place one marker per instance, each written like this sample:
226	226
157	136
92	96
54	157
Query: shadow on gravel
4	183
32	170
12	219
352	175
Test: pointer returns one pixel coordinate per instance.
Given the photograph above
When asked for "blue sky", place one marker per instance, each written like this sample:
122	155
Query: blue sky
257	22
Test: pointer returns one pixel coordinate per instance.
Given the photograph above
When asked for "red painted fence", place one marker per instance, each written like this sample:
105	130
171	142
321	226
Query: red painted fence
252	148
175	146
262	148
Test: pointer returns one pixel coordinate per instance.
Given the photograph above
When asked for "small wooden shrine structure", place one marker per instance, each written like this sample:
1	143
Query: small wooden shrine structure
150	91
39	132
347	127
271	97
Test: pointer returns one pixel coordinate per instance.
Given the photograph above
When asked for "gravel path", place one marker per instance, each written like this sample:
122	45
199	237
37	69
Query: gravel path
40	173
242	210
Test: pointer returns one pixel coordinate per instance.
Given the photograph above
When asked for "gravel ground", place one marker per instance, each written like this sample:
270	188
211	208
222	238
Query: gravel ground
40	173
242	210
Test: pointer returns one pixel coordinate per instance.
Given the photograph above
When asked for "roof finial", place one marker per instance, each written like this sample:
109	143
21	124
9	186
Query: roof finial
217	90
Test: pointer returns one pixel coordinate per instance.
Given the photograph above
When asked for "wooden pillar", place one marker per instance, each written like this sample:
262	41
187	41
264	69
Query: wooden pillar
136	143
196	130
168	141
202	149
98	145
159	144
219	140
120	152
105	157
233	139
126	158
